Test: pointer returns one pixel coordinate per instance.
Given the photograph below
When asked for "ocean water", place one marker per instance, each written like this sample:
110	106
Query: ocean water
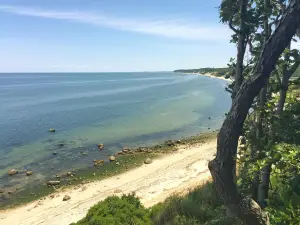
117	109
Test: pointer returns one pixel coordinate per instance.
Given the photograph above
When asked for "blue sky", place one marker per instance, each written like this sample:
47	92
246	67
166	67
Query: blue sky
111	35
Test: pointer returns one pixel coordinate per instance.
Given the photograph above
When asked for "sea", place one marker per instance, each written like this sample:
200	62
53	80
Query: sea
85	109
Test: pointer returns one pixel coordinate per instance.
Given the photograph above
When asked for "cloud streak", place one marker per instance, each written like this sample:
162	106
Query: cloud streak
165	28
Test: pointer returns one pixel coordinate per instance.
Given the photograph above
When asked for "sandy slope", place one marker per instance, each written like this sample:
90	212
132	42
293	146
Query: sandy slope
153	183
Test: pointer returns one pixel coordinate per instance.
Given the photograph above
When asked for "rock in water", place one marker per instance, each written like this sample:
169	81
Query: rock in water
170	143
52	130
112	158
66	198
12	172
148	161
29	173
98	162
101	146
53	182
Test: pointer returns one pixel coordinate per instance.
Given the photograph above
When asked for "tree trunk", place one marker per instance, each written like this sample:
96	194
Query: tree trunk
241	48
223	166
263	187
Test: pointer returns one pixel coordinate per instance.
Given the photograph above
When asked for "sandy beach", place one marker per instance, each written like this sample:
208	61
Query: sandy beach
174	173
211	75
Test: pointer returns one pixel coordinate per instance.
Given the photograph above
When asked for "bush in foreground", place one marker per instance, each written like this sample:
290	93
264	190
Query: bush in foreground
126	210
201	206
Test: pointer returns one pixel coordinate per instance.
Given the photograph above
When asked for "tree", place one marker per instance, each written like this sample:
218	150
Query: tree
224	165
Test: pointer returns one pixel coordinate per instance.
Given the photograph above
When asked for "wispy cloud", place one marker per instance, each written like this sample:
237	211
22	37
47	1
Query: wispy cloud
167	28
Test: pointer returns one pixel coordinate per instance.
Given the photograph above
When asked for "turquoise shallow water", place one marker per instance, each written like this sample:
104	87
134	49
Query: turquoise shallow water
117	109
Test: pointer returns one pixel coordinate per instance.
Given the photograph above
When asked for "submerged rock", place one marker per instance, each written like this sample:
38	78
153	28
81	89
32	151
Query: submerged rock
148	161
29	173
53	182
100	146
169	143
98	162
112	158
54	153
60	145
52	130
69	174
12	172
126	150
66	198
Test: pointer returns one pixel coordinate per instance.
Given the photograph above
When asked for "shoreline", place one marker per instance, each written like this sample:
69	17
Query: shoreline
13	197
208	75
170	173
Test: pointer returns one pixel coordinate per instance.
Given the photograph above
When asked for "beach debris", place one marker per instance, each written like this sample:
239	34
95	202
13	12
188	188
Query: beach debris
52	130
117	163
66	198
12	172
100	146
52	196
29	173
118	191
53	182
120	153
94	174
112	158
98	162
9	192
148	161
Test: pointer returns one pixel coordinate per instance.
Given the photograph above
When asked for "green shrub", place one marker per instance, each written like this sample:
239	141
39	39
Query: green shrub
126	210
201	206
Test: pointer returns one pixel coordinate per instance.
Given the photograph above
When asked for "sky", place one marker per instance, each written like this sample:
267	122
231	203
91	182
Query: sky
111	35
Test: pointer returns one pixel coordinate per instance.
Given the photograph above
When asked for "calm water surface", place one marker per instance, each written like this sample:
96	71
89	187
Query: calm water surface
117	109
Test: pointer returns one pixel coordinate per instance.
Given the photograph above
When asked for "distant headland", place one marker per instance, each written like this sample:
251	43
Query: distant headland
222	73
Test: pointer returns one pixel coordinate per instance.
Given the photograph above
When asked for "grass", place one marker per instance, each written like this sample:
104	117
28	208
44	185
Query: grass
200	206
81	176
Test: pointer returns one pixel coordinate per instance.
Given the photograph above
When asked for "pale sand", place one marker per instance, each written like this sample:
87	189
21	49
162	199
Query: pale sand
210	75
172	174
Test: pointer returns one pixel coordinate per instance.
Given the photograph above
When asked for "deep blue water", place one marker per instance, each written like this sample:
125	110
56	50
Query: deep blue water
116	109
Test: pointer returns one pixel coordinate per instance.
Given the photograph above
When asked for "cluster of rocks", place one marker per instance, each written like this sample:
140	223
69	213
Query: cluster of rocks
13	172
